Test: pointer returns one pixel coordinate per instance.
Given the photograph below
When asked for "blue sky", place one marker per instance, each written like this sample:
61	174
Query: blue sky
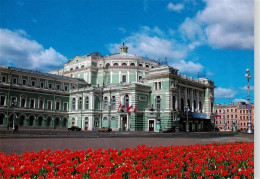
215	38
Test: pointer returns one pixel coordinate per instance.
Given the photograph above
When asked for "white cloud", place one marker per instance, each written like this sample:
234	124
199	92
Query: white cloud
223	24
251	88
175	7
224	93
122	29
188	67
229	23
18	50
150	42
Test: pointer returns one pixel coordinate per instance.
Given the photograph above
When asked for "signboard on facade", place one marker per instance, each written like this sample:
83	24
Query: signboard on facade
199	115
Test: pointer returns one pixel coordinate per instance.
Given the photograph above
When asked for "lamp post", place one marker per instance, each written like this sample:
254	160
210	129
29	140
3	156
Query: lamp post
249	126
14	105
187	109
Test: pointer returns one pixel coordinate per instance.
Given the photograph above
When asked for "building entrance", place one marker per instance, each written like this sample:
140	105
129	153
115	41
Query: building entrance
151	125
86	126
124	123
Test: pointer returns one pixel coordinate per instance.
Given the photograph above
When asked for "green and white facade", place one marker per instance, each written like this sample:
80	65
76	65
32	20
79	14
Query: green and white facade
97	85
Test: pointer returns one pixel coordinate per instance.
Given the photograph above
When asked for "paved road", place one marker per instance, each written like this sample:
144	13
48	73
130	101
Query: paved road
22	144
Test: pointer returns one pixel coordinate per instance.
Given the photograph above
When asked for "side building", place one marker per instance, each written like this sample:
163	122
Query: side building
121	91
232	117
34	99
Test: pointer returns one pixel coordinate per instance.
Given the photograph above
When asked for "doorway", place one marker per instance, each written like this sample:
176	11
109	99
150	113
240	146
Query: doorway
124	123
86	126
151	125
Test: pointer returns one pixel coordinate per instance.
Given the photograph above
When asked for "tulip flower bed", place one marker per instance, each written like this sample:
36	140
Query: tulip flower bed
230	160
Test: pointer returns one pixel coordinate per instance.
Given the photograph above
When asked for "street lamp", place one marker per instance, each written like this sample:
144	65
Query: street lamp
187	109
249	126
14	105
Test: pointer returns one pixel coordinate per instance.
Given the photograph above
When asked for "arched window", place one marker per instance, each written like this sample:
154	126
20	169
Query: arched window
80	103
113	118
82	66
152	66
140	65
132	64
107	65
115	64
77	67
113	105
71	69
124	64
73	104
158	102
105	118
86	102
97	103
147	66
105	103
126	100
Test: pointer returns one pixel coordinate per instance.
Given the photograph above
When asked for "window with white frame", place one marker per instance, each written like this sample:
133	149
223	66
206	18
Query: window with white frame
160	85
86	102
57	105
49	105
126	100
14	81
4	79
124	78
58	87
74	104
24	82
23	102
66	87
113	105
158	102
12	100
65	106
140	78
33	83
155	85
42	84
2	100
50	85
105	103
32	103
41	103
80	103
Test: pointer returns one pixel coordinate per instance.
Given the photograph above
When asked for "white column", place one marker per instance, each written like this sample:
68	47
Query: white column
185	100
136	73
120	76
127	123
119	122
179	99
83	123
127	76
91	100
111	77
198	100
90	123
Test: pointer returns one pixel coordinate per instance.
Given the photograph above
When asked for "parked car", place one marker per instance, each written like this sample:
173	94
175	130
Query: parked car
169	129
74	128
104	129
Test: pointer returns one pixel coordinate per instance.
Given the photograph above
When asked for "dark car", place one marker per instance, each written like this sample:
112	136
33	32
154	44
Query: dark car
74	128
169	129
104	129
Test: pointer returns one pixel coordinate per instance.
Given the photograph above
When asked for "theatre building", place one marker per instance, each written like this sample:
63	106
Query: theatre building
121	91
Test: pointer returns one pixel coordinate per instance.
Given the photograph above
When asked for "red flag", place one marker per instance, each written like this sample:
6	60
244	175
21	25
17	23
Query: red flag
119	107
135	109
217	115
127	109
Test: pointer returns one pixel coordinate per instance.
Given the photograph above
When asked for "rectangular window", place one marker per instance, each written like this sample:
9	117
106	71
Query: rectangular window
155	85
139	78
23	102
58	87
50	86
231	116
2	100
66	88
49	105
32	103
160	85
57	105
124	78
65	106
113	106
41	102
12	100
